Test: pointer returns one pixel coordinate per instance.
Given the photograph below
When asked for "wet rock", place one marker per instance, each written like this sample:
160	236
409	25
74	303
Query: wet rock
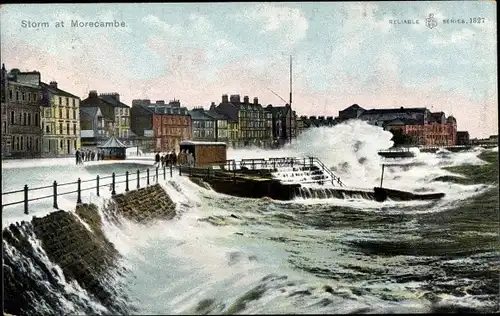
300	292
234	216
328	289
252	295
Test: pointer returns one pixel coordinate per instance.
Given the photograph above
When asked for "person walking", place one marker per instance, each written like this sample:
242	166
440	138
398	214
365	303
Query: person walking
157	159
174	158
77	155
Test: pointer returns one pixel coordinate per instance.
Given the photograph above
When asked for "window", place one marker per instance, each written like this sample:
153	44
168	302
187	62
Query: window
17	95
60	103
60	112
24	118
29	119
47	129
74	112
61	144
29	96
34	99
37	144
67	101
12	117
67	128
29	143
74	106
23	95
4	127
74	128
22	143
74	142
60	129
37	120
67	112
10	94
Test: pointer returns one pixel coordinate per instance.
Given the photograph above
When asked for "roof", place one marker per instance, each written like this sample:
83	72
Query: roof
353	107
110	99
216	115
200	115
113	142
57	91
89	111
394	110
190	142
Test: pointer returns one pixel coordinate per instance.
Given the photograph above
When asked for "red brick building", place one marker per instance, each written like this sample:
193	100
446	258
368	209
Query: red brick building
425	127
167	124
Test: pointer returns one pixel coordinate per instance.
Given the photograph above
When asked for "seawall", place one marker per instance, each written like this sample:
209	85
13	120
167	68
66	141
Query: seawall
76	243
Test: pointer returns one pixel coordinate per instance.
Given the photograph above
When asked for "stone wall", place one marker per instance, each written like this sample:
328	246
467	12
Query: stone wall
145	204
84	255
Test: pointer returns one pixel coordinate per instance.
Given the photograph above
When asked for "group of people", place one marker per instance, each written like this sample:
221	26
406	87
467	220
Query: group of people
171	158
88	155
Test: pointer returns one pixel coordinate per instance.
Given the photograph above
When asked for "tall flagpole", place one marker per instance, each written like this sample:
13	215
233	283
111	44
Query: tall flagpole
290	109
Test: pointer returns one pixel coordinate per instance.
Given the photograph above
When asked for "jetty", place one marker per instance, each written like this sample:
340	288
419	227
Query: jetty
397	152
288	178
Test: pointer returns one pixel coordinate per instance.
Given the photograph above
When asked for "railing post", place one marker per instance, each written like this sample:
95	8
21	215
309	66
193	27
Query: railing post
157	174
126	181
97	186
171	171
234	175
253	164
304	163
79	198
26	199
55	196
147	176
208	173
113	192
180	170
165	173
138	179
382	176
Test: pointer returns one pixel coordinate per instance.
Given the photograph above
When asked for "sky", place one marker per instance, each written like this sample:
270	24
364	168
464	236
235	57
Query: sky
343	53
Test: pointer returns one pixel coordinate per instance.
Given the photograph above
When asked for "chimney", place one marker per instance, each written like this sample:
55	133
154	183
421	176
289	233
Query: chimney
53	84
255	100
160	102
246	99
225	99
93	94
235	98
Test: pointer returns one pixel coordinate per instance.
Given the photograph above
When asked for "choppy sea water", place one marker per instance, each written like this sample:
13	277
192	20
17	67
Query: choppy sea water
224	254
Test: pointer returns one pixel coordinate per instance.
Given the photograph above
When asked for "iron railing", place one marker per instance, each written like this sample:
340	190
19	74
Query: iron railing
225	167
108	181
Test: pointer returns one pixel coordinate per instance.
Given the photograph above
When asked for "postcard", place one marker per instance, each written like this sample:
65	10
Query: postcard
242	158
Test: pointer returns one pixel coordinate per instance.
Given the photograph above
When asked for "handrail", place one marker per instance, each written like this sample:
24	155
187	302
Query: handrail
329	172
135	177
132	178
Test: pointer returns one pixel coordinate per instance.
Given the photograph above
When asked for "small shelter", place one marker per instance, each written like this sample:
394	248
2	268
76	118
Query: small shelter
205	153
113	149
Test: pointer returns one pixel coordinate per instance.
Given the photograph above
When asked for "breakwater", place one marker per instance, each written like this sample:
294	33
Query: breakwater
76	243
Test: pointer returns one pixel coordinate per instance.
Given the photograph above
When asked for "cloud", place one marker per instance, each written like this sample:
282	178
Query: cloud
465	35
290	23
155	22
